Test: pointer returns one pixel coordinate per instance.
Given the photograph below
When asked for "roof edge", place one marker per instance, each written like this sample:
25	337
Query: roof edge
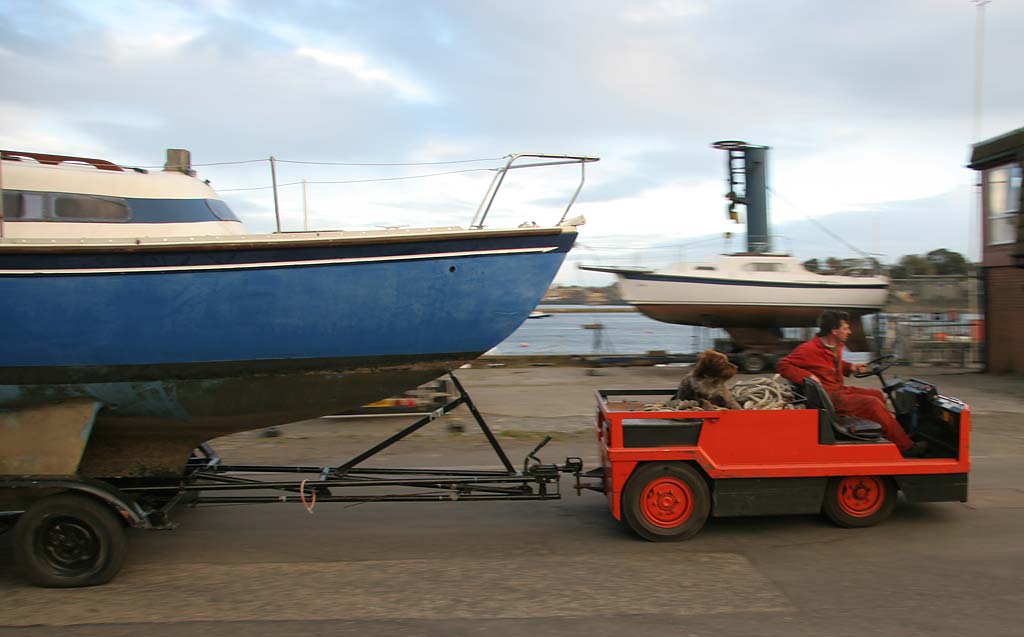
997	150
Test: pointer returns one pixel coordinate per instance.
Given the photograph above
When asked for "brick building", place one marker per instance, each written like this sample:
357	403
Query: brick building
1000	164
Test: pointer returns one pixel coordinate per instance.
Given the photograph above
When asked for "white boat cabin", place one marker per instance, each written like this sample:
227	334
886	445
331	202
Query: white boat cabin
61	197
756	266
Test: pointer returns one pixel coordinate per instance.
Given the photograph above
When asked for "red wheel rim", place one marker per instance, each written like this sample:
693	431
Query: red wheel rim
861	496
666	502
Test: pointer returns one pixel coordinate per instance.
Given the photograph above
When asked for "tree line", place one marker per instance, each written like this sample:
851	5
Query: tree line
940	262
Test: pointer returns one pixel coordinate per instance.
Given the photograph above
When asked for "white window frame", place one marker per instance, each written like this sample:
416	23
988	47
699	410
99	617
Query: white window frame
1006	178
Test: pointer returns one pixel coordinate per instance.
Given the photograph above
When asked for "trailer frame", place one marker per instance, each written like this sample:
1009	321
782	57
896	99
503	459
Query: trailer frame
44	552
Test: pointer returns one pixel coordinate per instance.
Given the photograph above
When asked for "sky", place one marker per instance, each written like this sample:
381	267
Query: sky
868	108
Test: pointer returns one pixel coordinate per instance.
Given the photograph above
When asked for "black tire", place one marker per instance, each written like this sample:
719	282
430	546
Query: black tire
753	363
666	501
69	540
859	501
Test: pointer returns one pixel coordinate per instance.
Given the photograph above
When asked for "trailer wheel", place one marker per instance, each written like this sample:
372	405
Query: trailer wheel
69	540
666	501
859	501
753	363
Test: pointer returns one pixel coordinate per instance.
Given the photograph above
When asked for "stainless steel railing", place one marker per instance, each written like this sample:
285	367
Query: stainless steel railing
549	160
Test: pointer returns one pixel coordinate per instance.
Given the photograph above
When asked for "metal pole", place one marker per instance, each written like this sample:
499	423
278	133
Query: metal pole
979	212
305	210
273	178
755	162
464	396
979	52
1	197
499	177
583	178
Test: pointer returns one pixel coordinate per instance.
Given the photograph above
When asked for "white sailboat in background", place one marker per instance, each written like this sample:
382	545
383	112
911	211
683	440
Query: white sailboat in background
751	294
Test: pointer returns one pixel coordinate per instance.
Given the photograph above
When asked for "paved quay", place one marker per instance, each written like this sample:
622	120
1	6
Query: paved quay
508	568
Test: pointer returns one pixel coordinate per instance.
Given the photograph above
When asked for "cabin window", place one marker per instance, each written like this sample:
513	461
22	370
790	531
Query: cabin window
90	208
12	204
24	206
221	210
706	267
764	267
33	206
1002	203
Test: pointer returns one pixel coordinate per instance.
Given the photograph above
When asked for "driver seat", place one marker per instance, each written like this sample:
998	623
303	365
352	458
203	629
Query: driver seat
831	424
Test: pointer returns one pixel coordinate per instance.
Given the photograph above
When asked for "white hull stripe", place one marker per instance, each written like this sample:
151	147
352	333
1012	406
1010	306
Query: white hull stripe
781	304
276	264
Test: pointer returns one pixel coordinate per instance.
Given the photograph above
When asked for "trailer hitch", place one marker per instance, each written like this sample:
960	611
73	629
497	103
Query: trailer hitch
549	472
596	473
527	468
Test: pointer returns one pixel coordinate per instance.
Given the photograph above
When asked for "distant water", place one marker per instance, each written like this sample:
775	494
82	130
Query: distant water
622	333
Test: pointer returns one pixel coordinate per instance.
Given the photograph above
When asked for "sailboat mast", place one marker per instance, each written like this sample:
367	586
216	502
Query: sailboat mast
758	239
747	176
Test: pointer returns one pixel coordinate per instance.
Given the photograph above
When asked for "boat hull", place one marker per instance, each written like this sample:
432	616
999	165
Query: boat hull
149	428
184	345
738	303
727	316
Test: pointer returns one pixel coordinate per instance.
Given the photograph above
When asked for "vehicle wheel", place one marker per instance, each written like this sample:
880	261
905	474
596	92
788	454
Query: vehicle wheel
858	501
69	540
753	363
666	501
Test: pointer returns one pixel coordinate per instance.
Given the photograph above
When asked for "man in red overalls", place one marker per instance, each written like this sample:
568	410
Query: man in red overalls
821	358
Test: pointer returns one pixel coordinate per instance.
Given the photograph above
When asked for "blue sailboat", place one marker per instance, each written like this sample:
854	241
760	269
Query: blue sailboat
140	294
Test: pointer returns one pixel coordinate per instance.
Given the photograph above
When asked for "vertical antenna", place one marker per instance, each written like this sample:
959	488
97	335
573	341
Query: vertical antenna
273	178
305	209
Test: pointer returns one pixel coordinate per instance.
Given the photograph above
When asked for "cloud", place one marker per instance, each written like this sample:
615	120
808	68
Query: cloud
863	104
944	221
359	67
46	131
661	11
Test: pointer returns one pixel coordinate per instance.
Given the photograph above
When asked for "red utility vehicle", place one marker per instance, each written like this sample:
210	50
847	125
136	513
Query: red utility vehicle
665	472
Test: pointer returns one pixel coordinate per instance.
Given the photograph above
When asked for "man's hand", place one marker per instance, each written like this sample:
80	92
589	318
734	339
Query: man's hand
860	368
815	378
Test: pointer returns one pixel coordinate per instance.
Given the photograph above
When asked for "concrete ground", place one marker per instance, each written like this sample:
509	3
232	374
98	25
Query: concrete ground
503	568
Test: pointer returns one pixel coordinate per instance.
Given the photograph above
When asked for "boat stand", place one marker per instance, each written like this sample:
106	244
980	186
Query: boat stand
209	481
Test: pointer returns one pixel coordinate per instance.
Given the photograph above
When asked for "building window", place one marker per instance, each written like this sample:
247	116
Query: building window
1002	203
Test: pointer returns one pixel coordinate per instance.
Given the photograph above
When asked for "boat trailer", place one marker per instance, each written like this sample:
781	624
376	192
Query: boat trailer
67	532
664	473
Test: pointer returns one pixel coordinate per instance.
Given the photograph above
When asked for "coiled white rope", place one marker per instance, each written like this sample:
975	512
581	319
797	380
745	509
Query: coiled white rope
764	393
759	393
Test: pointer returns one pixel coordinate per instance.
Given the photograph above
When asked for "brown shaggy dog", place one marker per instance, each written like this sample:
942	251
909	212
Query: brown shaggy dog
706	382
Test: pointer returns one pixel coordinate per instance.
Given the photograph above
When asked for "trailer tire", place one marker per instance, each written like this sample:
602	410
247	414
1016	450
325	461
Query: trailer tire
753	363
69	540
859	501
666	501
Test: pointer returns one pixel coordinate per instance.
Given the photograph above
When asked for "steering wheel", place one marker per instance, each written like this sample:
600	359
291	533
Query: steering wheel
877	366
